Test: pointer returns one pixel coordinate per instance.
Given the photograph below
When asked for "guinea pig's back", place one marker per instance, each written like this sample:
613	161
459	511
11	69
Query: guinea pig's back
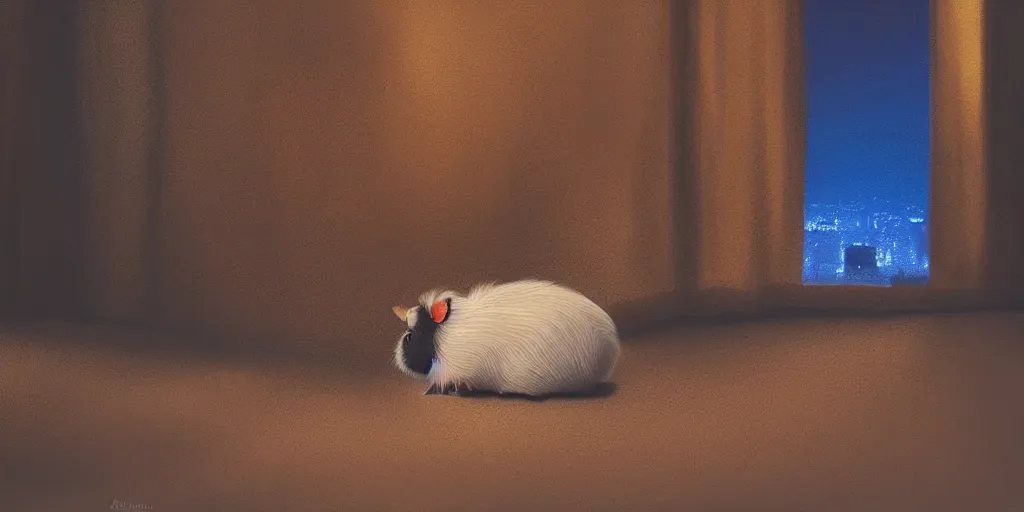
536	337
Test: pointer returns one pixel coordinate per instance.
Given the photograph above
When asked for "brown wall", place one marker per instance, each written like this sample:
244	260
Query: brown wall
320	161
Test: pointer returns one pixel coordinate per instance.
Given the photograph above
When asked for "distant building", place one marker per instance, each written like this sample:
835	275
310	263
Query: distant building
860	265
919	239
899	237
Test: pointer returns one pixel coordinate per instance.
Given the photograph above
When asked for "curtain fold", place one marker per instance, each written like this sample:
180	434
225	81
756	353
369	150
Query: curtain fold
747	118
958	183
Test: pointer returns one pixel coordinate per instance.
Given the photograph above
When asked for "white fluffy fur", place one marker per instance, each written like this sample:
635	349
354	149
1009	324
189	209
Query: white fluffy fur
530	337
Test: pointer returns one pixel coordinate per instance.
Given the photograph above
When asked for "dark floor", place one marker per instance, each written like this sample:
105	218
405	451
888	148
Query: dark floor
916	413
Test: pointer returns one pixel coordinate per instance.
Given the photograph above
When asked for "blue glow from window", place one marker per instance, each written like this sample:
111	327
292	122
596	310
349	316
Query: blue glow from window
868	130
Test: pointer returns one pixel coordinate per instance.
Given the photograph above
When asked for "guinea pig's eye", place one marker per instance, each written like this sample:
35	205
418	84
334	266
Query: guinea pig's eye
408	335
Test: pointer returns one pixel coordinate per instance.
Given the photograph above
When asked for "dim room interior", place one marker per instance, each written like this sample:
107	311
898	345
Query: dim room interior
208	209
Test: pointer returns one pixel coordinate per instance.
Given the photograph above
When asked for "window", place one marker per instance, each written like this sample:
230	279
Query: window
868	105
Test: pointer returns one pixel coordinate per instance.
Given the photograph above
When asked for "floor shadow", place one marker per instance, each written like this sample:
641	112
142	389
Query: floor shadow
603	390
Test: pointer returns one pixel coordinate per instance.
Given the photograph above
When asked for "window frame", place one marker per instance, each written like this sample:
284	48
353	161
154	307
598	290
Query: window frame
941	293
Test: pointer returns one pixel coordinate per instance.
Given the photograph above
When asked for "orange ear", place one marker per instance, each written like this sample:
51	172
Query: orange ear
400	312
439	311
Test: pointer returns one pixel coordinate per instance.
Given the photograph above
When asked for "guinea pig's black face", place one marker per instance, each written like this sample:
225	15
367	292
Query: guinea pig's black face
419	348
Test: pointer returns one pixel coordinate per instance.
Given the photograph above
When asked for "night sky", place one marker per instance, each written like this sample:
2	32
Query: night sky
868	100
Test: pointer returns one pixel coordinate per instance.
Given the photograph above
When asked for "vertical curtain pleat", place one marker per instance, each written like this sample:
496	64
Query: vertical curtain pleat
959	180
748	116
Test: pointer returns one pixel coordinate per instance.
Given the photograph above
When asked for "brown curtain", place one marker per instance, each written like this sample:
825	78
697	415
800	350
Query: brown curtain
286	172
744	172
958	153
977	179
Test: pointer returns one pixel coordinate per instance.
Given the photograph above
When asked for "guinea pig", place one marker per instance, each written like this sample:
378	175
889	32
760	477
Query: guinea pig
527	337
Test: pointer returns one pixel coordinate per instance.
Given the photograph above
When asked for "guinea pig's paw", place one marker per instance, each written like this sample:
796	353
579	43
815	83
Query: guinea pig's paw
449	390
